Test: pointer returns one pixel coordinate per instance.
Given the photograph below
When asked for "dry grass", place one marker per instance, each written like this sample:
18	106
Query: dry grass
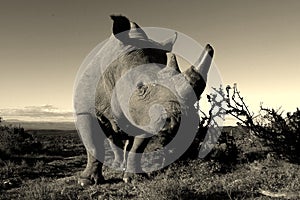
52	175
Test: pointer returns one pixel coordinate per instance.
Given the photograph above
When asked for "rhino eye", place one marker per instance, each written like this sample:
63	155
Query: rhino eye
139	85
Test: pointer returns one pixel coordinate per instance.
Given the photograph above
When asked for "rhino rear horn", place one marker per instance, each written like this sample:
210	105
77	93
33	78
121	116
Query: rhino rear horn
169	43
172	62
120	24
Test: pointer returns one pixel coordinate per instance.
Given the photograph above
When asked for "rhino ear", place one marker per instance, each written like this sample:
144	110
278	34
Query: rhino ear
136	31
168	43
120	24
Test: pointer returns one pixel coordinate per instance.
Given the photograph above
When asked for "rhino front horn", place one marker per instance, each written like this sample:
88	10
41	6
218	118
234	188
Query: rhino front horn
202	65
197	74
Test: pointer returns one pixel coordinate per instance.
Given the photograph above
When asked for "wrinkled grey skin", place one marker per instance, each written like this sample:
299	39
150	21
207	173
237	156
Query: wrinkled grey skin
145	96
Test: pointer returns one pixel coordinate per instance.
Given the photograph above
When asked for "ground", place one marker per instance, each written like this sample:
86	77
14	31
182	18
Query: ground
255	173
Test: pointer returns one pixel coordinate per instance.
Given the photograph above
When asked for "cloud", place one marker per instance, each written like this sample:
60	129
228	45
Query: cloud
37	113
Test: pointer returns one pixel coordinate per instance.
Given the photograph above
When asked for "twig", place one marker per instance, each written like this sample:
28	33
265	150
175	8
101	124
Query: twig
286	195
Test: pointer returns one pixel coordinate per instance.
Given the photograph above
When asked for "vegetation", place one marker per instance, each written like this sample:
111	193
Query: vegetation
258	159
14	140
280	133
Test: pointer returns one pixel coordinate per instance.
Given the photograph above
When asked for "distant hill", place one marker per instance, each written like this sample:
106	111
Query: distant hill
27	125
41	125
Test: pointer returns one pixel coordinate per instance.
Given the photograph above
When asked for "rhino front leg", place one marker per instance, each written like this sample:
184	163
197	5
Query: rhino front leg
93	140
134	157
92	174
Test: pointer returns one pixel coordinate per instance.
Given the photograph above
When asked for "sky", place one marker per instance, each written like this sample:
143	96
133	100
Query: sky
43	42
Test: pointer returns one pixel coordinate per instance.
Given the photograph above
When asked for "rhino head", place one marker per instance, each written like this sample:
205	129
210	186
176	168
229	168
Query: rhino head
140	91
149	91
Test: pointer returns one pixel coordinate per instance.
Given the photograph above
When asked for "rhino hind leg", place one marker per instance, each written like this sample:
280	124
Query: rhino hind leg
127	147
117	147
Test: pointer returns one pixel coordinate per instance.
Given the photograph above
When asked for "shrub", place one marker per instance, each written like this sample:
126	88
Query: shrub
282	134
14	140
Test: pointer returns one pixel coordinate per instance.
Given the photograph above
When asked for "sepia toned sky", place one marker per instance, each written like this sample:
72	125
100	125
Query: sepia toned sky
43	42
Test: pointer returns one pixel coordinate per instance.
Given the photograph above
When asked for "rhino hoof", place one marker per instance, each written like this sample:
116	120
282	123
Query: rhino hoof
117	164
129	177
87	181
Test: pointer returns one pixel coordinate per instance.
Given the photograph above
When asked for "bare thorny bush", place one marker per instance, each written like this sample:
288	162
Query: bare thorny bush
280	133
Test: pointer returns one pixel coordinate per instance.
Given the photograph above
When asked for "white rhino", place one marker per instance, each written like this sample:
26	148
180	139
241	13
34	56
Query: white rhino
102	103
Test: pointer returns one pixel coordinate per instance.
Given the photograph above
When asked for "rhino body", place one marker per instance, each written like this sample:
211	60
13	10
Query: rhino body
101	99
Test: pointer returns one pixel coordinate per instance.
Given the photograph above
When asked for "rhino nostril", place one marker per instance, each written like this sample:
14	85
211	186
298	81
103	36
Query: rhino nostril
168	120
